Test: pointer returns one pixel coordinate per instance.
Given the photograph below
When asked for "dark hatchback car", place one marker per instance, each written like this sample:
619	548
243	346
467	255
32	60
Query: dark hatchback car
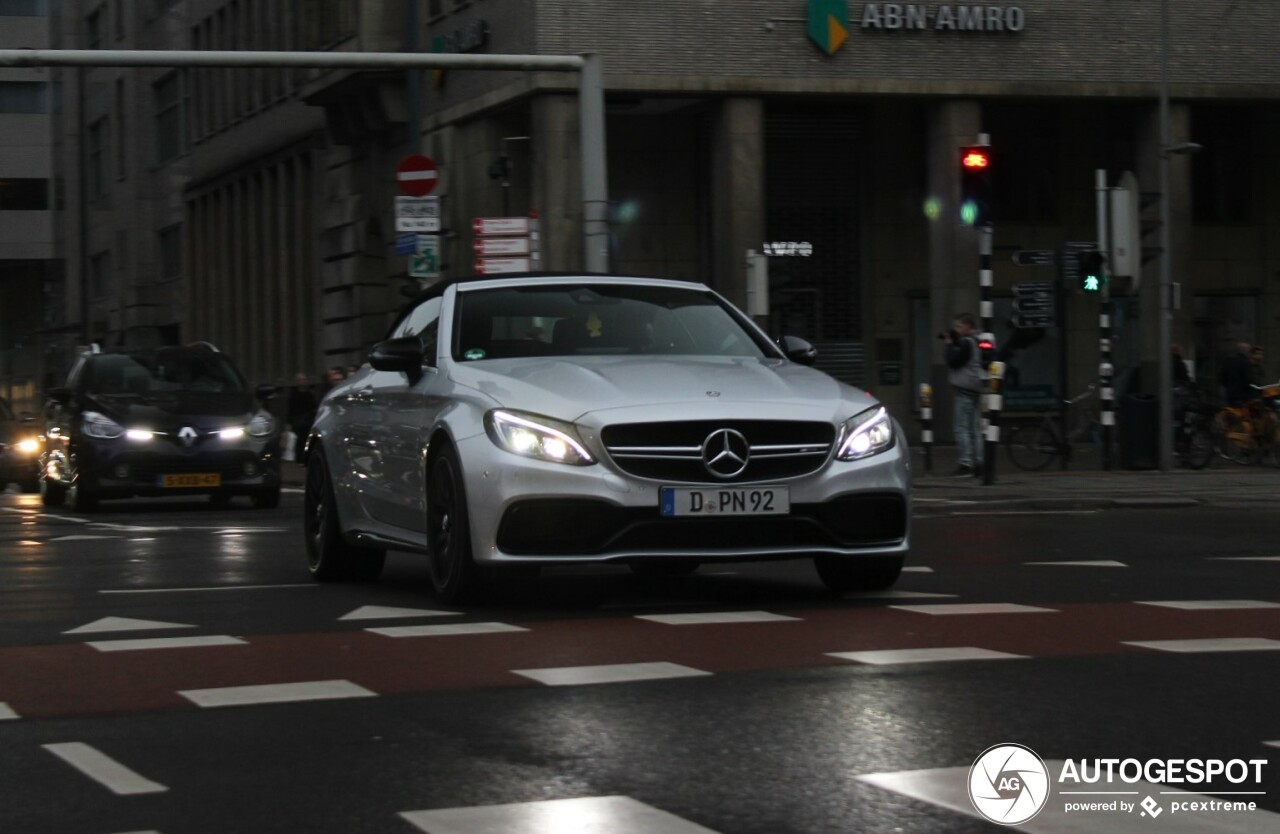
19	450
159	421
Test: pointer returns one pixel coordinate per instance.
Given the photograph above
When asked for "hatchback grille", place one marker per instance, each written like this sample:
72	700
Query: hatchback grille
673	452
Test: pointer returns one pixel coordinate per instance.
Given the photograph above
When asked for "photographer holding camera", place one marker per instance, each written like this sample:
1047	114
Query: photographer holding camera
964	362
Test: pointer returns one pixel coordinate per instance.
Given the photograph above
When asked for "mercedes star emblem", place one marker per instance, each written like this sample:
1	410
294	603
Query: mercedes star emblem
725	453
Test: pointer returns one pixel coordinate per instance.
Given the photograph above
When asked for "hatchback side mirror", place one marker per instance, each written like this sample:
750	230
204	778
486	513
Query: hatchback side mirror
403	354
798	350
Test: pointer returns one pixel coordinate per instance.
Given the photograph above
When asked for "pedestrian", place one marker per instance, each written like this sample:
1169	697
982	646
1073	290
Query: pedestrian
300	412
333	376
1255	359
1238	376
964	361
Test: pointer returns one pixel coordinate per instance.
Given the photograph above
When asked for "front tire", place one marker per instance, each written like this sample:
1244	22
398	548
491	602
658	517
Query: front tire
454	573
330	557
52	493
84	498
1200	448
1032	446
842	574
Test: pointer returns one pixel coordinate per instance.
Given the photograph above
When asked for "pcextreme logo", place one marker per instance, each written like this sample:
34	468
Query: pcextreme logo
829	24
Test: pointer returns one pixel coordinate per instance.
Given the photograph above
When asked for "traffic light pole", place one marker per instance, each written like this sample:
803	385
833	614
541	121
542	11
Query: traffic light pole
991	418
1106	370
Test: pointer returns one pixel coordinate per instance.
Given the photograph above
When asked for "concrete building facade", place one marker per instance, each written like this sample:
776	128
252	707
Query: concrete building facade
760	125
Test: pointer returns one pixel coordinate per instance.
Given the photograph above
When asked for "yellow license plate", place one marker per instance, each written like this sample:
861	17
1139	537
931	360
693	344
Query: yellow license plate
191	481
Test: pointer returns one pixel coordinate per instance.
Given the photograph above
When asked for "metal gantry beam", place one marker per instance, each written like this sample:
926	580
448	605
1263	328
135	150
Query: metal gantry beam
595	191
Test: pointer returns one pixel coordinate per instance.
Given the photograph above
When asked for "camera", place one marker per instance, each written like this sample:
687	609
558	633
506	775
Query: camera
945	334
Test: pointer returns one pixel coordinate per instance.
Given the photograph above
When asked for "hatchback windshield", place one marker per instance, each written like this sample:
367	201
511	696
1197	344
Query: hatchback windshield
163	372
597	319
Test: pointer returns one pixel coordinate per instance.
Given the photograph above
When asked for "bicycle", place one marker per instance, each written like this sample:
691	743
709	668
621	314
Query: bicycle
1250	433
1033	445
1193	440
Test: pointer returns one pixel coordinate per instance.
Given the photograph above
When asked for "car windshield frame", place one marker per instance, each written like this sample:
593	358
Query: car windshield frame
584	319
164	372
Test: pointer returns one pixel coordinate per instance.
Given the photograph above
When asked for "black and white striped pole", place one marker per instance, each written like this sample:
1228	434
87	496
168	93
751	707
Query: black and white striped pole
926	425
975	209
995	403
1097	265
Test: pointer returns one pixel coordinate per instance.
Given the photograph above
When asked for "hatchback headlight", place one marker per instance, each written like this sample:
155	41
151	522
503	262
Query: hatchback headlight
535	436
866	434
29	446
261	425
100	425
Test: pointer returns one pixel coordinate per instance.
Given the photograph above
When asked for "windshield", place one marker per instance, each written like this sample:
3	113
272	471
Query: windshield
598	319
164	372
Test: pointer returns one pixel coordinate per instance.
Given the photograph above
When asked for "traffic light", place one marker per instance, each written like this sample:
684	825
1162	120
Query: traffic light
975	185
986	348
1093	273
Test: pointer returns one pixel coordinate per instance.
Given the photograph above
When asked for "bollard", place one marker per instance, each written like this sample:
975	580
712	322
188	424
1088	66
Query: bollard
995	402
926	425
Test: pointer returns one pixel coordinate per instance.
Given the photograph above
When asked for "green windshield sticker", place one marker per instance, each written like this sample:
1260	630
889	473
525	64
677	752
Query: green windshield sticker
474	353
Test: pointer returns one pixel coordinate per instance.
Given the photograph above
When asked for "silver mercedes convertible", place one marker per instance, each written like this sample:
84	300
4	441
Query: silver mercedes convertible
533	420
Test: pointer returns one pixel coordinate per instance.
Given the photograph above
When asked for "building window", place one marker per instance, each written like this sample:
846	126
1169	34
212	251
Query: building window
170	243
326	22
24	194
121	146
93	26
96	159
171	120
1223	171
23	97
22	8
1024	140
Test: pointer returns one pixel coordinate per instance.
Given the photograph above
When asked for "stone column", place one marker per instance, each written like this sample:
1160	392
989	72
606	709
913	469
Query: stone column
737	193
953	247
557	181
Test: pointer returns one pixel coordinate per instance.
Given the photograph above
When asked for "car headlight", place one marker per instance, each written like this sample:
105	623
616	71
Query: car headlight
29	446
866	434
534	436
261	425
140	435
100	425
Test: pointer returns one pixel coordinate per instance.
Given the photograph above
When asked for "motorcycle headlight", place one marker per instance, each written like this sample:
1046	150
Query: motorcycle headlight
100	425
261	425
534	436
866	434
29	446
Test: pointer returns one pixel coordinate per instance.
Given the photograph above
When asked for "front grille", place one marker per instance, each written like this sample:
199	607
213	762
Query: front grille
579	527
229	466
673	452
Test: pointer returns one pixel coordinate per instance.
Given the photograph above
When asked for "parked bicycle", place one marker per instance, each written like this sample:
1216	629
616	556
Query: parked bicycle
1193	439
1250	433
1033	445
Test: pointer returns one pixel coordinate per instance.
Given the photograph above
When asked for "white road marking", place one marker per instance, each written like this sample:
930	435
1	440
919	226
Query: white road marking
1218	644
612	673
382	612
7	713
1212	604
1245	558
892	594
1095	563
277	693
975	608
594	814
891	656
205	588
917	569
1027	512
165	643
81	538
1272	743
123	624
948	788
450	630
104	770
713	617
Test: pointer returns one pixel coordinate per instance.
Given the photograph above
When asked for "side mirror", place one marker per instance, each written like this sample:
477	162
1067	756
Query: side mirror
798	350
61	396
266	391
403	354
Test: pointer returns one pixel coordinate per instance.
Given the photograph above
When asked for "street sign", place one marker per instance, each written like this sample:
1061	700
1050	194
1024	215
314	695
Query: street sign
417	175
425	261
1034	305
503	246
406	243
1035	257
502	225
417	214
496	266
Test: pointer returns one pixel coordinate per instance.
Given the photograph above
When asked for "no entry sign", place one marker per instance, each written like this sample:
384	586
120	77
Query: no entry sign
417	175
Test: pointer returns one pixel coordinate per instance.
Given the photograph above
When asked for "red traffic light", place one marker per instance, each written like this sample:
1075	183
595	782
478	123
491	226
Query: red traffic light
974	158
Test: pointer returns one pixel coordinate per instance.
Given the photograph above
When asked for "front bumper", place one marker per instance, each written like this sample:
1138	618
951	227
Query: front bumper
121	470
528	511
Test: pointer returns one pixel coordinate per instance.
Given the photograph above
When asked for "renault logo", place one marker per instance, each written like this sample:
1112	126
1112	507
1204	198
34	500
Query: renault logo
725	453
188	436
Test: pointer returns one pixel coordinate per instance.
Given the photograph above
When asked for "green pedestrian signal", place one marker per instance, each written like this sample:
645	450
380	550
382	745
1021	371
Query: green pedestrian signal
1093	274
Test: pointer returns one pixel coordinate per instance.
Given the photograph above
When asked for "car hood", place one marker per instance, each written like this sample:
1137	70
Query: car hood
170	412
655	387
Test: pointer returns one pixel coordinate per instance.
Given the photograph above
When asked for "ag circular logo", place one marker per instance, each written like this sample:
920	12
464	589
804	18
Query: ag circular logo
1009	784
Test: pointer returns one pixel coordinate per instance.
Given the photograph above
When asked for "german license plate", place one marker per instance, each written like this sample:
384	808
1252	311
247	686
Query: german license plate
709	501
198	480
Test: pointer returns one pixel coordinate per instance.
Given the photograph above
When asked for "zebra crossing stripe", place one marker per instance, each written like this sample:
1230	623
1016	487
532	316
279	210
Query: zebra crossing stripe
596	814
104	770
